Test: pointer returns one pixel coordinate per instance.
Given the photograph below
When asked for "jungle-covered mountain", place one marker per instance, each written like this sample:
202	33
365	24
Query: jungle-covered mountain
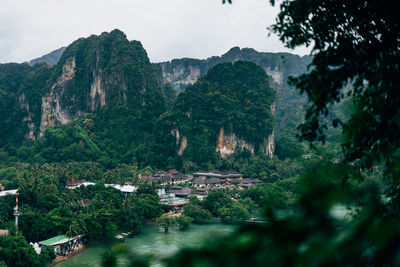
181	73
279	66
230	109
104	101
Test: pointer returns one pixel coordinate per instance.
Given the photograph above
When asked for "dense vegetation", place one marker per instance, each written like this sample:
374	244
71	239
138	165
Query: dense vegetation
134	127
49	209
131	134
356	43
236	97
16	252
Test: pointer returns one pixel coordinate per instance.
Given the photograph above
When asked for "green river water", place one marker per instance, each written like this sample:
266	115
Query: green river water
162	245
152	241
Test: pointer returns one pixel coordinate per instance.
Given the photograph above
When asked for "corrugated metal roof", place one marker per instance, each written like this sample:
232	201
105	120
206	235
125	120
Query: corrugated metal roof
52	240
57	240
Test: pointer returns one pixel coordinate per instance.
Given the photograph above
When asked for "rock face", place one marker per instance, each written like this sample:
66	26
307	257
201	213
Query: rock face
181	142
97	92
269	144
230	143
52	111
181	75
275	74
219	116
31	126
279	66
96	72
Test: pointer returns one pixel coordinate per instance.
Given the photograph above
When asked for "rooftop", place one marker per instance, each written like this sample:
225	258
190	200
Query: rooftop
4	232
8	192
57	240
53	240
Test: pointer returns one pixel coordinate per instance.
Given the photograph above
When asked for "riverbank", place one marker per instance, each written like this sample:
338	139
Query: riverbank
63	258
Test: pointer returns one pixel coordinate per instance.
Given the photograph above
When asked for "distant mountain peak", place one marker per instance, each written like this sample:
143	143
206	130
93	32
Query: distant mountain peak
50	59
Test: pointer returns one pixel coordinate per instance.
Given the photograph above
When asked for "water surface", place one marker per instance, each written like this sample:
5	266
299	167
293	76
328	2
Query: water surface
153	242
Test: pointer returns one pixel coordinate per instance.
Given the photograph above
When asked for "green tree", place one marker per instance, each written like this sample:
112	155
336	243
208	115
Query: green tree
287	148
16	251
183	222
197	213
353	42
215	201
108	258
166	223
235	214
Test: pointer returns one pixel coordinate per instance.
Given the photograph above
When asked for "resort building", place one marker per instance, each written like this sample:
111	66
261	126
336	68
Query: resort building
217	174
72	184
8	192
64	245
171	177
126	188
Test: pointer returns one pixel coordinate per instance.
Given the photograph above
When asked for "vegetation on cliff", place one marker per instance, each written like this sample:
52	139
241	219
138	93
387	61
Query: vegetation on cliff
236	97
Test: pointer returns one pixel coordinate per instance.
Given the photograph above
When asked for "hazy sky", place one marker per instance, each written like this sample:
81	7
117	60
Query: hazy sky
167	28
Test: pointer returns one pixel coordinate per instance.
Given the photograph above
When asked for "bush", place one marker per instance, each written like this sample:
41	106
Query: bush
183	222
197	213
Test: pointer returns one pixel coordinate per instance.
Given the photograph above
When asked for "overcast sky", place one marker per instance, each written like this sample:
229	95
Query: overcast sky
168	29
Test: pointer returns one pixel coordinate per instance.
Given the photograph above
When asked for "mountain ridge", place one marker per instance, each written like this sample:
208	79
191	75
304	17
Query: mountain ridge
105	101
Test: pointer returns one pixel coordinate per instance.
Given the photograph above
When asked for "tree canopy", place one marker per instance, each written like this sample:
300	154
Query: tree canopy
354	43
355	48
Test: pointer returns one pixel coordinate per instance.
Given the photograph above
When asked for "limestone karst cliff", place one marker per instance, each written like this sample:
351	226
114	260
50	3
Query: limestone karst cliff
227	111
186	71
93	73
104	100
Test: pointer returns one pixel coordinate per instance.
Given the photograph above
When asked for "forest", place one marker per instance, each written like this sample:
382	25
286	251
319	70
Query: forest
348	128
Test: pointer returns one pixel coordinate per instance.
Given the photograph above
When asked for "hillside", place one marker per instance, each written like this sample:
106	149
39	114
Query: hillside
181	73
229	110
279	66
95	72
105	102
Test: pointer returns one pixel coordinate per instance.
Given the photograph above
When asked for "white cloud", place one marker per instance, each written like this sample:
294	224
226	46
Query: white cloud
167	28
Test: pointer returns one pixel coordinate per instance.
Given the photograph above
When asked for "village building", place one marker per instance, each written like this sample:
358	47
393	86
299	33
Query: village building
4	232
179	191
217	174
85	202
64	245
199	182
228	186
214	182
73	184
127	188
161	193
200	193
171	177
8	192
